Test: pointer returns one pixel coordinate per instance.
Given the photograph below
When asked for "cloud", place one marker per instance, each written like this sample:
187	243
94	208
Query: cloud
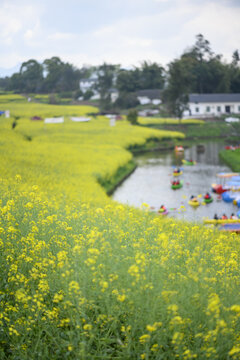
154	30
59	36
18	21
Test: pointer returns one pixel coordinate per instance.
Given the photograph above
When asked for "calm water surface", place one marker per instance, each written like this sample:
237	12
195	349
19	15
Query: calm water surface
151	182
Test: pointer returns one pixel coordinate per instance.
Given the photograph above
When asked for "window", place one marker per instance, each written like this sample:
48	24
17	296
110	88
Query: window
208	109
197	109
219	108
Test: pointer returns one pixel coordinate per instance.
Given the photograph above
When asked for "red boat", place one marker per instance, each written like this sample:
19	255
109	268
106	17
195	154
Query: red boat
218	189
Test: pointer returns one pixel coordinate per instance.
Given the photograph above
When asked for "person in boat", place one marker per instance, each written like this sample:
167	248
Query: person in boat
177	182
162	208
207	196
233	217
215	217
193	198
176	171
224	217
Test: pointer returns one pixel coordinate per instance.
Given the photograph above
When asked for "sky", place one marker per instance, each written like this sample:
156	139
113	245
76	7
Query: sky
126	32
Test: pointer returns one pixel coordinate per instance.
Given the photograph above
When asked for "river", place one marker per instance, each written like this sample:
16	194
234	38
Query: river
150	183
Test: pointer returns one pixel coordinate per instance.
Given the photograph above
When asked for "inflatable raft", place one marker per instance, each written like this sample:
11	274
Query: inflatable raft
194	203
189	163
231	228
163	212
208	201
177	186
220	221
177	173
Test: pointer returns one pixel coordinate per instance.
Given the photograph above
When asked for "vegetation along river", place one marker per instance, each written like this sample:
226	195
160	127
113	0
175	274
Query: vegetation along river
151	182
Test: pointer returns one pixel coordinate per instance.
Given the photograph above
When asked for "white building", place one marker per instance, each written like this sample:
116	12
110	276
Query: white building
113	94
86	84
149	96
209	105
89	84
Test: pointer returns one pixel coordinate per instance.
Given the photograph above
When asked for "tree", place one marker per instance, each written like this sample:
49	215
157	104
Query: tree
106	79
151	76
198	70
181	78
127	81
16	82
132	116
234	73
31	73
126	100
181	104
52	70
148	76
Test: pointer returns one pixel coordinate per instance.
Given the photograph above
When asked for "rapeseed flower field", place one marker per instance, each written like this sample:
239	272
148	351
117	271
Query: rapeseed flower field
83	277
169	121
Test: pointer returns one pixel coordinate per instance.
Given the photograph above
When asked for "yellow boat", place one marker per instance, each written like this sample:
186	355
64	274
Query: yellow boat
194	203
220	221
177	173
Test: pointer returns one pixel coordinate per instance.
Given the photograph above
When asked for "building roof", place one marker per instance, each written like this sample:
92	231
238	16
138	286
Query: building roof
87	80
150	93
214	98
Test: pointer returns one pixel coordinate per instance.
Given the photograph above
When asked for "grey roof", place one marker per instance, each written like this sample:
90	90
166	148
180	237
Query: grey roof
150	93
215	98
113	90
87	80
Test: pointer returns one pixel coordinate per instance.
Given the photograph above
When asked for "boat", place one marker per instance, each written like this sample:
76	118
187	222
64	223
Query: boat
229	196
177	186
188	162
177	173
223	186
163	211
208	200
219	189
231	228
194	203
179	148
221	221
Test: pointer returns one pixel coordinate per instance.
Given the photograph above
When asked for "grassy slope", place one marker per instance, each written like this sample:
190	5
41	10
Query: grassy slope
232	158
195	129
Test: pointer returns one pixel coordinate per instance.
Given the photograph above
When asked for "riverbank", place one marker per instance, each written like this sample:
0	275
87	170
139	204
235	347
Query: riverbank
122	173
207	130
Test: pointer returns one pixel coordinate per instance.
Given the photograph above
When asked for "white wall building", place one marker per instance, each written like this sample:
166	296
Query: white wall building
149	96
209	105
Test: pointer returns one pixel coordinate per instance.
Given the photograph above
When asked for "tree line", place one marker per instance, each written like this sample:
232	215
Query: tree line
197	70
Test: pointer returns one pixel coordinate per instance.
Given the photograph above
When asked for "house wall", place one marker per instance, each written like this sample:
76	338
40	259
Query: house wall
210	109
144	100
85	85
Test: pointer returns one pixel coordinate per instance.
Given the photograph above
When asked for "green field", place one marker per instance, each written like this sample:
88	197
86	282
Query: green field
232	158
83	277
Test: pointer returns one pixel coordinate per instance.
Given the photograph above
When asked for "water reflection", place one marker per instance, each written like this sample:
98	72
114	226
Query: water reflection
151	182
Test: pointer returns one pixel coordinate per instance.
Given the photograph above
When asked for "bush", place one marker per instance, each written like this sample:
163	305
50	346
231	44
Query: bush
127	101
132	116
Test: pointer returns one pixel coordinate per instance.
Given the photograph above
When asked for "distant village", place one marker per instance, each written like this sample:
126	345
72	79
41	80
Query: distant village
197	84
